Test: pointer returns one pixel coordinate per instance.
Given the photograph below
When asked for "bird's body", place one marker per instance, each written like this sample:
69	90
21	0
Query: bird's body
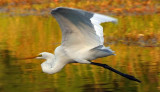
82	40
54	63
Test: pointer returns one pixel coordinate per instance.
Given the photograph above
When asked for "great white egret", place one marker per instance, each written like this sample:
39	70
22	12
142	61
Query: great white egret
82	41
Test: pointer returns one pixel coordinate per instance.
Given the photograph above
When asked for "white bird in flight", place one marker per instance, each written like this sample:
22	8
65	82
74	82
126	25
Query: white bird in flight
82	41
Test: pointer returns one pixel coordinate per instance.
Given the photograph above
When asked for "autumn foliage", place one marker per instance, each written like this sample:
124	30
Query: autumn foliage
102	6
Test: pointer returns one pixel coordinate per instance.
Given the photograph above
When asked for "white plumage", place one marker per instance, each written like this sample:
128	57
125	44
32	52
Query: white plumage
82	41
81	33
96	20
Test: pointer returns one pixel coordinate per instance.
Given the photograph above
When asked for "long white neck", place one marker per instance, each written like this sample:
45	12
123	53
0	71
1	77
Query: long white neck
56	62
51	66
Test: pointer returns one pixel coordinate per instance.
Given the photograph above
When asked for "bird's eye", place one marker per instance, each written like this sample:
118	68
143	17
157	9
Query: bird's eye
40	55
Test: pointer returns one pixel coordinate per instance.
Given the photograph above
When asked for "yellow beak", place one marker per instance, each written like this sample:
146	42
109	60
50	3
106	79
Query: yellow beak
32	57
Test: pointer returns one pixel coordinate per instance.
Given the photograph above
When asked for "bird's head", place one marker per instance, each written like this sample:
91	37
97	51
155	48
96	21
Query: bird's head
45	55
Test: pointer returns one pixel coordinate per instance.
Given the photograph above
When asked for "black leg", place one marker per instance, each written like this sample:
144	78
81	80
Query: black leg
118	72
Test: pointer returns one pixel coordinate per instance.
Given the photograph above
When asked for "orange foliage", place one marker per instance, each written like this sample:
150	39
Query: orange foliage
103	6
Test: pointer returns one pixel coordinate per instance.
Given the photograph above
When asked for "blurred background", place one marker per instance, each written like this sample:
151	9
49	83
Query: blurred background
27	28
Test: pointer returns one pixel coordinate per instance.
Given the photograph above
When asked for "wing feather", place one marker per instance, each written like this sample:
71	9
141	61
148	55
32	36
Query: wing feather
96	20
81	30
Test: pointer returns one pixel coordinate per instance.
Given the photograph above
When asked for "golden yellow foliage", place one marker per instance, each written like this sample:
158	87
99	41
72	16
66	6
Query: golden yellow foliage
102	6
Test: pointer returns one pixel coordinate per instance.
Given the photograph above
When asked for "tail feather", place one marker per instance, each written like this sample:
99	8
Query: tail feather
102	51
108	49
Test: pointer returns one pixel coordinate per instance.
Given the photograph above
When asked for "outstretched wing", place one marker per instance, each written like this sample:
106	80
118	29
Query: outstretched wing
81	30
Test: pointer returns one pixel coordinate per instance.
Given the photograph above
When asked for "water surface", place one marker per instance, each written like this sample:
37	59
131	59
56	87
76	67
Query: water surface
23	36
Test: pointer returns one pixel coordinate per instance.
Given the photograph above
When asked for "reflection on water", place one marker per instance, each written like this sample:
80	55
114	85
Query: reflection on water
103	87
30	35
